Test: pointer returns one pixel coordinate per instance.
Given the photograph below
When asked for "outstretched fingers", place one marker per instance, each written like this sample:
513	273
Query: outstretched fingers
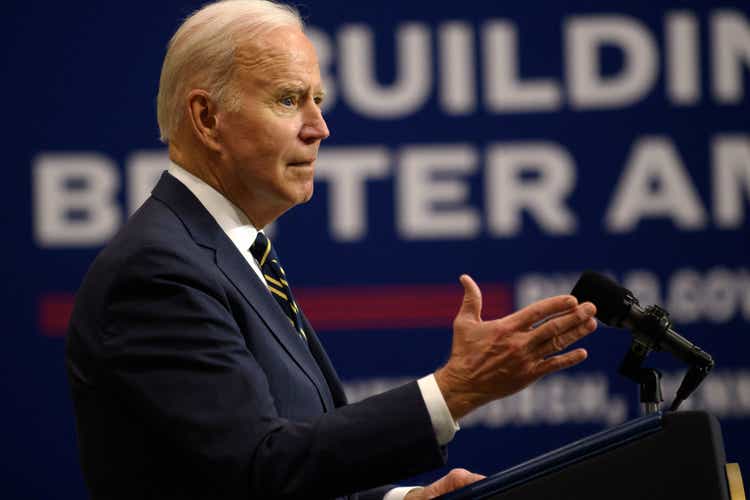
558	333
561	342
560	362
530	315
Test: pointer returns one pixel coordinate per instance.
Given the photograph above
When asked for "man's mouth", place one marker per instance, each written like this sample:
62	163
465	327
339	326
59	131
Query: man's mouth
302	163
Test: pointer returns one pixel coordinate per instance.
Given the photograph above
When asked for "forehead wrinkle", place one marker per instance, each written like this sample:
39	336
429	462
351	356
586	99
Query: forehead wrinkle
273	66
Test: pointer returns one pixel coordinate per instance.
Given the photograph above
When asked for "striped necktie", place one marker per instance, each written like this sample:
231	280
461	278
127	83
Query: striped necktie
276	281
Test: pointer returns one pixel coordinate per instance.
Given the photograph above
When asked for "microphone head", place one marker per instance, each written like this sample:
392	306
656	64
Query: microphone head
611	300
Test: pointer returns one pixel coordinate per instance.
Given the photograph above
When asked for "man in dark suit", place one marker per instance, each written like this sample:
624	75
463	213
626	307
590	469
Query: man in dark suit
194	373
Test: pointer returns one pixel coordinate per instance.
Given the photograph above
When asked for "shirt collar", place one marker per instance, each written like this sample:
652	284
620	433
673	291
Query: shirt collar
230	218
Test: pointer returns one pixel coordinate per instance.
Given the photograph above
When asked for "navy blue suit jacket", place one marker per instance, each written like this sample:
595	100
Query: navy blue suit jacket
188	380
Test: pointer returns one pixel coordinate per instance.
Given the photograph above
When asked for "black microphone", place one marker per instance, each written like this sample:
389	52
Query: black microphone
616	306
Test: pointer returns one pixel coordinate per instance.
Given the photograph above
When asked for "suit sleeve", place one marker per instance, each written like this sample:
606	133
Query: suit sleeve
174	354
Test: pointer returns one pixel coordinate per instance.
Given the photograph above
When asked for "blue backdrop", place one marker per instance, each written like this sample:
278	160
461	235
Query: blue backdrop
520	143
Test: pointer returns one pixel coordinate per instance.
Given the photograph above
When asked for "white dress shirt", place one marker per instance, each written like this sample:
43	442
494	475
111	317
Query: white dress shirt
241	231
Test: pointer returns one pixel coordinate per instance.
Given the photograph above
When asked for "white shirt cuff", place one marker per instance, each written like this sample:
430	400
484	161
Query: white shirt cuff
400	492
442	420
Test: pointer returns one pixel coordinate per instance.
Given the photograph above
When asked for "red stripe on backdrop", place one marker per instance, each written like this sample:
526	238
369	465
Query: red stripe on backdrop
54	313
332	308
394	306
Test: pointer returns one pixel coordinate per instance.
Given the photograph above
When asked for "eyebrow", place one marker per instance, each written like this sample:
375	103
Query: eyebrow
294	88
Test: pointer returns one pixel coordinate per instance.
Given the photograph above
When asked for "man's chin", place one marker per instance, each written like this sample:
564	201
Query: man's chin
308	194
303	194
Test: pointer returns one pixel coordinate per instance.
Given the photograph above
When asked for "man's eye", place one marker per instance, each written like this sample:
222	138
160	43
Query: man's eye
288	101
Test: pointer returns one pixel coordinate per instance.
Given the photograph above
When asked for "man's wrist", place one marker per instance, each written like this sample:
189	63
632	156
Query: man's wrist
459	403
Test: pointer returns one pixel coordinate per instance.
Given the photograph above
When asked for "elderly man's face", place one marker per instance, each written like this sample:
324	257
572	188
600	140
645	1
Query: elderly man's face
271	143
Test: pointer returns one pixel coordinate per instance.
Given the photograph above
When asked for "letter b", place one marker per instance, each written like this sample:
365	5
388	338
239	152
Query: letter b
74	199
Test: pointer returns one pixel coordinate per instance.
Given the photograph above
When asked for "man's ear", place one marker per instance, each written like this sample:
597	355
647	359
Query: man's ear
203	118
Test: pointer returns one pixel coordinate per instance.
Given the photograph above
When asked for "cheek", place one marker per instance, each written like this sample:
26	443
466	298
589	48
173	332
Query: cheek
248	135
275	144
263	143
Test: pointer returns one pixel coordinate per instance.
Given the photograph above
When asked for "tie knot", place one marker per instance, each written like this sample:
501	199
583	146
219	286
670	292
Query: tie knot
261	248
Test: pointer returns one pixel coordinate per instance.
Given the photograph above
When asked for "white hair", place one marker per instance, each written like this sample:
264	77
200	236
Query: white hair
201	54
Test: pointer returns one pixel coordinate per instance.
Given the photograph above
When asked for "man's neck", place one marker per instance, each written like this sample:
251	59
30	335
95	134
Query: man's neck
194	161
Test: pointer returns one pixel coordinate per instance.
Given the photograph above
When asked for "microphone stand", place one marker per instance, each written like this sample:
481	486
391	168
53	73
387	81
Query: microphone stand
648	379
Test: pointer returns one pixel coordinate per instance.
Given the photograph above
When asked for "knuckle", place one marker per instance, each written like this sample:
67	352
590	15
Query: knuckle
581	315
554	365
517	347
509	349
498	328
568	340
556	327
455	476
558	344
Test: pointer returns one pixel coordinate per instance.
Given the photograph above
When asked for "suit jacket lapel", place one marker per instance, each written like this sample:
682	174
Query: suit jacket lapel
235	268
324	362
206	232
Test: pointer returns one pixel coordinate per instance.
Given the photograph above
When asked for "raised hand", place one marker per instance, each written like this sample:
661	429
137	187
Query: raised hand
496	358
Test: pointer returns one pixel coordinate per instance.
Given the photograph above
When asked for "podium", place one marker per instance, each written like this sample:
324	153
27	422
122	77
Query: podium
677	455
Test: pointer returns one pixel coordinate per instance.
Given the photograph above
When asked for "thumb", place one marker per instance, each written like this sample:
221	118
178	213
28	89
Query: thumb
471	307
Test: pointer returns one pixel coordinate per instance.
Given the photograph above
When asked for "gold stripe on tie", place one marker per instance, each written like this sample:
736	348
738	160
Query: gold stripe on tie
280	294
280	268
302	332
274	281
294	307
265	254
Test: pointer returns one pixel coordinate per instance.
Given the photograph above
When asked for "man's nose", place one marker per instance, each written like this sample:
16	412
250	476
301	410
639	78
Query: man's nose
314	127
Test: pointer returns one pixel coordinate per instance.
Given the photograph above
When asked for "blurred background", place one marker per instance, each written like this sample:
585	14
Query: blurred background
519	142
